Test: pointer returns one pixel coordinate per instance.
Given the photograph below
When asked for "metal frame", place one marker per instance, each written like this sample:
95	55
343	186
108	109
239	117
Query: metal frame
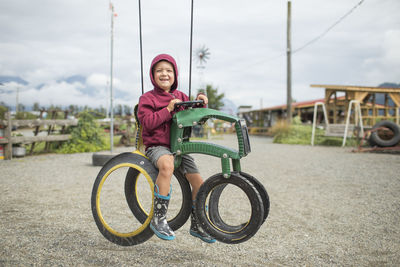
358	115
315	119
181	145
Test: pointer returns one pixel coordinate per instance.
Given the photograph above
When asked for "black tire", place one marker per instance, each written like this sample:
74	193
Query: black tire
219	233
213	210
142	233
375	139
100	159
134	204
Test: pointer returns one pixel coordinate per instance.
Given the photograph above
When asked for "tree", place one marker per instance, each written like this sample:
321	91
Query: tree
103	111
214	99
36	106
119	110
127	110
72	109
3	110
21	107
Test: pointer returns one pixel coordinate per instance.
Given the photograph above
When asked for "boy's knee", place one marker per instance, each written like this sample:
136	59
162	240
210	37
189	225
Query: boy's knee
165	164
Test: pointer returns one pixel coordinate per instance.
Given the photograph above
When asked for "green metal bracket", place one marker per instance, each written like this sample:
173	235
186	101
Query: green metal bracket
181	145
226	168
236	165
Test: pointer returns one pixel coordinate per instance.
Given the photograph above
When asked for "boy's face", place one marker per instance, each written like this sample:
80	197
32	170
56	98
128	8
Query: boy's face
164	75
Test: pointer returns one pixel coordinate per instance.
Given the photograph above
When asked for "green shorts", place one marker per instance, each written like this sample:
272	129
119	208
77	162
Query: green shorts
187	166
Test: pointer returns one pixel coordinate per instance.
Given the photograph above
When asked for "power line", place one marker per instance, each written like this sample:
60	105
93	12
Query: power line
327	30
311	41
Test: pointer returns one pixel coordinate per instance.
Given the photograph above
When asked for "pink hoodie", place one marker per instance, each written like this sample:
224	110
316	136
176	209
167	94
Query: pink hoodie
153	114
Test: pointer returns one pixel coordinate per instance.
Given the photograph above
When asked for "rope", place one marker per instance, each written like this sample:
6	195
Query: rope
141	51
191	45
191	48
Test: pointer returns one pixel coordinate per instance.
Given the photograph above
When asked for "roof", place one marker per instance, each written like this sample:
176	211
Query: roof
358	88
306	104
303	104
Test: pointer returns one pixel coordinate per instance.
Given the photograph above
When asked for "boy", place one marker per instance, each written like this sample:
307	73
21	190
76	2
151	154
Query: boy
155	112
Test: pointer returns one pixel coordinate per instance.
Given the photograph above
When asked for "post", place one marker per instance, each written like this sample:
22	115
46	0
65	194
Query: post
289	67
17	101
111	82
8	151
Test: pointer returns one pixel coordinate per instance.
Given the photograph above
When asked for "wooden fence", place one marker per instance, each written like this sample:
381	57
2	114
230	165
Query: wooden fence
8	140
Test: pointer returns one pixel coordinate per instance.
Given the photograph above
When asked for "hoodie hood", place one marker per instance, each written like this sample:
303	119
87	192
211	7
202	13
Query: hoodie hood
168	58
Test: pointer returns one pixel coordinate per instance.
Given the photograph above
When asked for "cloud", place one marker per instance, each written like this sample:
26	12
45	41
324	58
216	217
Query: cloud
384	66
391	44
44	42
98	80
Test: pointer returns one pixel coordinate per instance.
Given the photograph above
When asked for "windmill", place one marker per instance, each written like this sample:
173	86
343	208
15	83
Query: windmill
202	54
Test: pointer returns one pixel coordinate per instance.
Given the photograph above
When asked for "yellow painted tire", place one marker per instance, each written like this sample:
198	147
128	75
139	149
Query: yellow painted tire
135	161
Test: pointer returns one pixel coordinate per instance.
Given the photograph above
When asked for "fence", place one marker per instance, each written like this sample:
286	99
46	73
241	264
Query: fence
8	140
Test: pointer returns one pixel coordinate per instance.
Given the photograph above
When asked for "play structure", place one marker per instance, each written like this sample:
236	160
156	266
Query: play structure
135	167
340	130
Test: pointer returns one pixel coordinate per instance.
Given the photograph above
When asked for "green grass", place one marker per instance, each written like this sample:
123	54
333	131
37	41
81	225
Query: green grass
301	135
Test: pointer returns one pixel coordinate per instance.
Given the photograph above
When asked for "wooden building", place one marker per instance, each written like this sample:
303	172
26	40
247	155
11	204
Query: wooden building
376	104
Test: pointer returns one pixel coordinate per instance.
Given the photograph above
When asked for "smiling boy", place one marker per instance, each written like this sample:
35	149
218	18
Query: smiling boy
155	112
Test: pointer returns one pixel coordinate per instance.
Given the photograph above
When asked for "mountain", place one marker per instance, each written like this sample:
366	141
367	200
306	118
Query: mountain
73	79
85	89
77	79
16	79
389	85
380	98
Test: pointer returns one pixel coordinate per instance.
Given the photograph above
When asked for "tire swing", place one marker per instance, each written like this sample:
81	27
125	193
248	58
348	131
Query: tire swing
213	207
376	139
210	193
216	227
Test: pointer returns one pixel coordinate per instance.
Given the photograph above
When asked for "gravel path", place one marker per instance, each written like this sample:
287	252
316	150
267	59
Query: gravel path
329	206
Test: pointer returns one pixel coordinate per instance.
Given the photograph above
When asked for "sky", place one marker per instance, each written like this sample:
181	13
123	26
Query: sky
46	41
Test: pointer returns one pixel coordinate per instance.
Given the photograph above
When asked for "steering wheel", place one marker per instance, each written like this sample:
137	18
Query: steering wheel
189	104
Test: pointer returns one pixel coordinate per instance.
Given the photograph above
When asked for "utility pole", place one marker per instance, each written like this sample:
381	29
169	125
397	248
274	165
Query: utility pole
111	81
17	101
289	67
107	106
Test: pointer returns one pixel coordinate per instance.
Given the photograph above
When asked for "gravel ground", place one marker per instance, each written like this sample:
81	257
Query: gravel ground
329	206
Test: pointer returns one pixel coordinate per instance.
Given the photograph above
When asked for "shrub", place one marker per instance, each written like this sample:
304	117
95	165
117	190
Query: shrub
3	110
280	130
23	115
86	136
301	134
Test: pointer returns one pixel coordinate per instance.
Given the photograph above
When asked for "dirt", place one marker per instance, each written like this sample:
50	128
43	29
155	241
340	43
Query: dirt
329	206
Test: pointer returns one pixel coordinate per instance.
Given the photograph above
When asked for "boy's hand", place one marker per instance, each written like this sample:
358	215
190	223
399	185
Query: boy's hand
171	105
204	98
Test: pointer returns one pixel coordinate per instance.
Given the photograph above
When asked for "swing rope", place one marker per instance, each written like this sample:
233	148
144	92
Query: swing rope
191	48
141	51
191	45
